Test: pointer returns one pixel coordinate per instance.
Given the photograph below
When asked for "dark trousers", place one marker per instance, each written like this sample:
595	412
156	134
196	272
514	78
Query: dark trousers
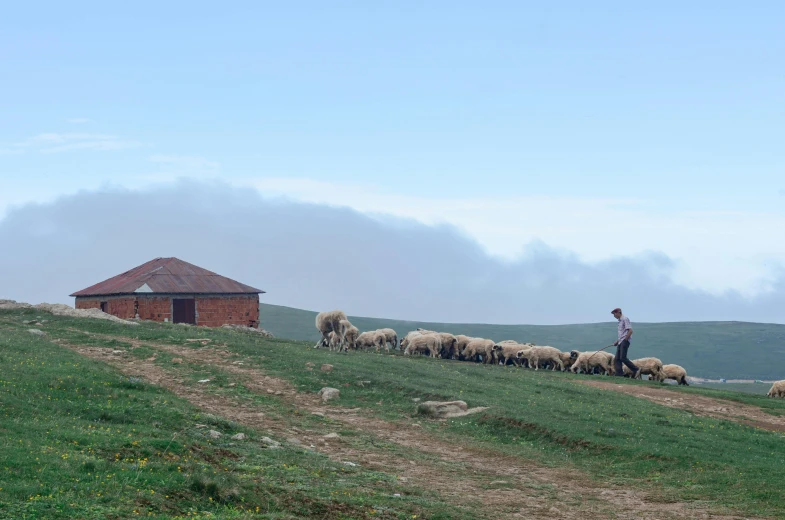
621	357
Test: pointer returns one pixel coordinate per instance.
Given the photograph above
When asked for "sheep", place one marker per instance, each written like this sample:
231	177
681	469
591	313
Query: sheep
390	337
460	344
648	365
430	344
349	335
777	389
674	372
448	345
523	357
327	322
479	347
589	361
567	360
411	334
509	352
370	339
540	355
333	340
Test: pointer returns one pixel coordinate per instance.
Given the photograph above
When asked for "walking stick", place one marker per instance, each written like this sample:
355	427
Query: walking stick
609	346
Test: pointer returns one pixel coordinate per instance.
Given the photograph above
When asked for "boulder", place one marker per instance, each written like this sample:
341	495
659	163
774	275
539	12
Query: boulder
327	368
328	393
446	409
36	332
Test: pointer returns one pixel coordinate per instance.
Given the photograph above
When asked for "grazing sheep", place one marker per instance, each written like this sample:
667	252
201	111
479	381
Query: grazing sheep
650	366
541	355
390	336
430	344
326	322
411	334
448	345
478	348
674	372
369	339
777	389
333	340
460	344
523	357
589	361
349	335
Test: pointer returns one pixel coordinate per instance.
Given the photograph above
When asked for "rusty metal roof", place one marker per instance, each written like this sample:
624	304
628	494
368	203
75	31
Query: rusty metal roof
168	275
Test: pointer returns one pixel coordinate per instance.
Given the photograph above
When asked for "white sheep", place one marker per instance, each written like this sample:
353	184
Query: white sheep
650	366
349	335
509	351
589	361
370	339
777	389
326	322
674	372
479	347
391	337
430	344
539	355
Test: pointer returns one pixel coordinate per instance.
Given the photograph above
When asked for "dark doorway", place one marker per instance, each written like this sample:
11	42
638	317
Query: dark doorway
104	306
184	310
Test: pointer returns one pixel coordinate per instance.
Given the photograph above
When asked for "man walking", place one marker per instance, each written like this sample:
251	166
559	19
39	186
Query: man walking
622	344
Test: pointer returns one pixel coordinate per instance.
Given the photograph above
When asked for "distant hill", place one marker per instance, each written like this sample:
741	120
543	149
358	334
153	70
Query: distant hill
726	349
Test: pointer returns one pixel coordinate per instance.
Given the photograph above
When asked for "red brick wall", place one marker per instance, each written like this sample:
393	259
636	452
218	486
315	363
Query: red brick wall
234	310
155	308
211	311
120	307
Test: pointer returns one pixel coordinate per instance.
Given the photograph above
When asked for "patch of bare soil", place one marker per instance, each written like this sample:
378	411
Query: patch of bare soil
699	405
496	485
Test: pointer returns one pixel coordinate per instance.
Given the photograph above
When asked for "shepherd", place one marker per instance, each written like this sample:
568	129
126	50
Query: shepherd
622	344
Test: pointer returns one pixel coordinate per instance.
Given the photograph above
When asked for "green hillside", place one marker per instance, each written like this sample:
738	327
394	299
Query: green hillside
733	350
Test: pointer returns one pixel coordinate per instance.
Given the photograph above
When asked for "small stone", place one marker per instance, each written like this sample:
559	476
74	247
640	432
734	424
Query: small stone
417	399
117	352
36	332
332	436
201	426
363	383
270	443
238	437
214	434
278	393
270	391
350	464
328	393
318	414
232	384
177	360
554	511
294	440
310	364
203	381
396	494
327	368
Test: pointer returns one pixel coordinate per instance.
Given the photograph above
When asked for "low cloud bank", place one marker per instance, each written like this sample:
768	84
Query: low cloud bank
319	257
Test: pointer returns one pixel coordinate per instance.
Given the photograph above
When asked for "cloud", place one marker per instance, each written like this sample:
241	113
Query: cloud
318	257
713	249
62	142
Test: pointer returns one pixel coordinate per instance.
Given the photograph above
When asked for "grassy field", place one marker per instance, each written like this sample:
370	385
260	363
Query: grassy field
705	349
80	440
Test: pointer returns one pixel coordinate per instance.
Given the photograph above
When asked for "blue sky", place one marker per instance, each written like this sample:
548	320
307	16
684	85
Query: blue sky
601	129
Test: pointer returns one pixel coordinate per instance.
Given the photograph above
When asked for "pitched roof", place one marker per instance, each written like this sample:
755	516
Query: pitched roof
168	275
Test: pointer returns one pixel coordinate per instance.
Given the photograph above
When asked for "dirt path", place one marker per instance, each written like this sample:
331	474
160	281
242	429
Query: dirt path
499	486
699	405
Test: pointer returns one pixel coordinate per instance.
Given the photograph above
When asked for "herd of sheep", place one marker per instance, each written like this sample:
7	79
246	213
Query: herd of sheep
339	334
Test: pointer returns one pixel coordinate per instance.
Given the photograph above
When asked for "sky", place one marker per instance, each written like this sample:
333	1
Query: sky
643	140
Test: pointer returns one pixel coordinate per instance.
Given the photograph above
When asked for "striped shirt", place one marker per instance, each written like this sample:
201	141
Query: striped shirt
624	326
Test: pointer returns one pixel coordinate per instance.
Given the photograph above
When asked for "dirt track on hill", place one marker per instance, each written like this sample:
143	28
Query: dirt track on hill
493	484
699	405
